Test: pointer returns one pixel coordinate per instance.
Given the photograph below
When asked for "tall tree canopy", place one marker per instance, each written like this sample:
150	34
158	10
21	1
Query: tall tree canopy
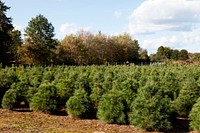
167	53
85	48
6	28
40	42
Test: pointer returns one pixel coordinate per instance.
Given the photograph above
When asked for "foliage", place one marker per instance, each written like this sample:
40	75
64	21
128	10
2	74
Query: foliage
46	99
65	91
187	97
149	97
151	109
85	48
166	53
16	43
195	116
40	35
112	108
7	78
17	93
5	39
10	99
79	105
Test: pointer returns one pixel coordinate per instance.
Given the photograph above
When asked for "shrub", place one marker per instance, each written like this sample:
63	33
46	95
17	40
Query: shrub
79	105
151	109
10	99
112	108
7	78
195	116
15	95
96	95
46	99
65	91
187	97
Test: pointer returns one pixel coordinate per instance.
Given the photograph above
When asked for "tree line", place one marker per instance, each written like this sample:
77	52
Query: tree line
83	48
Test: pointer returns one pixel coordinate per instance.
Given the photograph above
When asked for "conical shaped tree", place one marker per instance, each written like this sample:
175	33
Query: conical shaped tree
151	109
46	99
79	105
40	33
112	108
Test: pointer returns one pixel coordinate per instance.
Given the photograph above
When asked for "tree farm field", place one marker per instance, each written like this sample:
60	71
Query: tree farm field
100	99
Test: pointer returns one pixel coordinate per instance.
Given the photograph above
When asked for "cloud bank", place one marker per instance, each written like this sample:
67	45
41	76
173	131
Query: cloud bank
175	23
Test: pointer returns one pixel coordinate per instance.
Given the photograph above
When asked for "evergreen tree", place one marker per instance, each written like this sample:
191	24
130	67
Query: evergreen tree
187	97
195	116
112	108
5	39
151	109
40	33
79	105
46	99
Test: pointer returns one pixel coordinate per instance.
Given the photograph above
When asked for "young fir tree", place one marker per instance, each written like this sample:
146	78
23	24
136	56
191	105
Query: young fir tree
79	105
10	99
188	95
195	116
112	108
46	99
151	109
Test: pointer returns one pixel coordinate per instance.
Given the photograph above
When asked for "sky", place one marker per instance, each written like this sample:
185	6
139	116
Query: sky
170	23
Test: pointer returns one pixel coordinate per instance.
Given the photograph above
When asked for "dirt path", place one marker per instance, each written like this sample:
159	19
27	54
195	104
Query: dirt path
34	122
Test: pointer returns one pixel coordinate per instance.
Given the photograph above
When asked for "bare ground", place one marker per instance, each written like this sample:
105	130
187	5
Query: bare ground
35	122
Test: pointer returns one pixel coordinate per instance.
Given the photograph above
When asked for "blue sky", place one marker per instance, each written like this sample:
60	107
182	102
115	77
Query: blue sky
173	23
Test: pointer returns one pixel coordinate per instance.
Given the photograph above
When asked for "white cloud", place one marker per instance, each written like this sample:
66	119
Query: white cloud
153	44
72	29
171	23
118	13
183	40
162	15
18	27
68	29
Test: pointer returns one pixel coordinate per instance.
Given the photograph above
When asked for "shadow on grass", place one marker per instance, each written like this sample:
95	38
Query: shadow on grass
181	125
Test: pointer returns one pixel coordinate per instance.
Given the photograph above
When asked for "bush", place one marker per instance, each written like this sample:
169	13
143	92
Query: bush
151	109
96	95
46	99
195	116
112	108
187	97
7	78
65	91
79	105
15	95
10	99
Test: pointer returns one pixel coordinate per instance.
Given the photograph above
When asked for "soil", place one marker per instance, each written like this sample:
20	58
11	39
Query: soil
25	121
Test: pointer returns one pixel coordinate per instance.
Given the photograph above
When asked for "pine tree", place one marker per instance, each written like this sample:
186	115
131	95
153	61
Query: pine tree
5	39
40	33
